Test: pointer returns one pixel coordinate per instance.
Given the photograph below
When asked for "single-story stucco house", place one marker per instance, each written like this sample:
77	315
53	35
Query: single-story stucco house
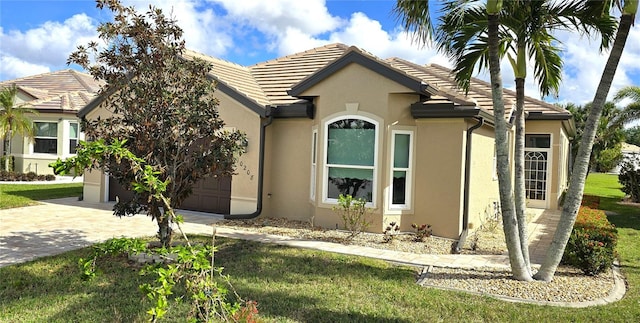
337	120
57	97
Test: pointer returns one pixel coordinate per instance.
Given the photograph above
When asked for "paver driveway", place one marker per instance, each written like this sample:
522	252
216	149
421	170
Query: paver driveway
59	225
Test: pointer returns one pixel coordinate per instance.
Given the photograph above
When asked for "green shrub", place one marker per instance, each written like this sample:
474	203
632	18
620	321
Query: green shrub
591	246
629	177
353	213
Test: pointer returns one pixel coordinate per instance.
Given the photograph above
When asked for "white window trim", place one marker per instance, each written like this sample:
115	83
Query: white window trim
325	175
408	205
314	164
57	138
68	140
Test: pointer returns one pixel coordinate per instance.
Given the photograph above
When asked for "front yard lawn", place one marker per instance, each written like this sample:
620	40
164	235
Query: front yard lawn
297	285
17	195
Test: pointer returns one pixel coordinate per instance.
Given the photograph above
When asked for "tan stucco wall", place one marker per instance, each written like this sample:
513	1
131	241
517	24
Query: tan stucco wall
483	189
439	175
244	184
287	173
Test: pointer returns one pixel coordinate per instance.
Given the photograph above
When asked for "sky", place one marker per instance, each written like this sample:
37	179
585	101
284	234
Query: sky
38	36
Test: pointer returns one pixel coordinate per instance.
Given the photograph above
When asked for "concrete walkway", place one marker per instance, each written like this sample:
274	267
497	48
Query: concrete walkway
65	224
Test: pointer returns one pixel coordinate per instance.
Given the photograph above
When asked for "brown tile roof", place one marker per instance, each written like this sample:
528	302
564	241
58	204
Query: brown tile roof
65	90
279	75
267	83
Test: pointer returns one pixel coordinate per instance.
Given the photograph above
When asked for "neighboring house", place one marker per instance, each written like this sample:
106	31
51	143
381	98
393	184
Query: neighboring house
630	153
336	119
57	97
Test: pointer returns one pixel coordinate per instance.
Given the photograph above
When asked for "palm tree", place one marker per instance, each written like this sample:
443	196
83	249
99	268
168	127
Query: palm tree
610	129
13	120
525	31
415	17
631	111
573	197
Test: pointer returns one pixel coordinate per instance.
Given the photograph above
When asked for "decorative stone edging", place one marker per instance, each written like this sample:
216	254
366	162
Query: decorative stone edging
152	258
617	291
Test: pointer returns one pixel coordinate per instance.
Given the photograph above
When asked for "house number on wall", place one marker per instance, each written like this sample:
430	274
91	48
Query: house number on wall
245	170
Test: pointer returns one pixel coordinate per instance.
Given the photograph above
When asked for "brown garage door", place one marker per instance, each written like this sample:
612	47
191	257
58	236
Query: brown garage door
211	195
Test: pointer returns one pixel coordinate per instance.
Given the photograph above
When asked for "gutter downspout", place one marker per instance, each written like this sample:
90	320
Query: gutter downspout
264	125
467	175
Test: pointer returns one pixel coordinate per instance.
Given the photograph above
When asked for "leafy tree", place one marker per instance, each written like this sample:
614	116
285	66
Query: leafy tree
163	108
14	119
573	197
632	135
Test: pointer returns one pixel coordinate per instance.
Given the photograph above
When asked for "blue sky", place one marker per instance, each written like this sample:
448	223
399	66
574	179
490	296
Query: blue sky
37	36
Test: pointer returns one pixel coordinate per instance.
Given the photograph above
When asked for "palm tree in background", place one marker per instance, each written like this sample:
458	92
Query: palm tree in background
610	130
14	120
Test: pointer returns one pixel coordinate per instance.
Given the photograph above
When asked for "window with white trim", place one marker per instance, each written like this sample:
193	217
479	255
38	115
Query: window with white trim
402	148
351	153
73	137
46	139
314	163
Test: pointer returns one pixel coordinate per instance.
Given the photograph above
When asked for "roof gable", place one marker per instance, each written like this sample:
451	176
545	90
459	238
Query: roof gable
60	91
356	56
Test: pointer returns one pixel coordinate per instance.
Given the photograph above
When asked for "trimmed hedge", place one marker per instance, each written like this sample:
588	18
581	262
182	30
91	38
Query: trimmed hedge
24	177
591	247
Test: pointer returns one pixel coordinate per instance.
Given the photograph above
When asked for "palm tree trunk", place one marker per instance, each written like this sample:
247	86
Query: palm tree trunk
509	222
520	196
581	163
7	153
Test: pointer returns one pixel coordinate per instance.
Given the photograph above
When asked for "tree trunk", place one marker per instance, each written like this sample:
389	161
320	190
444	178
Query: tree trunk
519	189
7	153
576	185
509	222
165	233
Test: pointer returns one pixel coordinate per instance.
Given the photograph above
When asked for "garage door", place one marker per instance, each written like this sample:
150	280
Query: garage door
212	195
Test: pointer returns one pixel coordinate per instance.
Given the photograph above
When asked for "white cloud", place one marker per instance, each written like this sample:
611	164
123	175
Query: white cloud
204	31
367	34
275	17
12	68
49	44
584	64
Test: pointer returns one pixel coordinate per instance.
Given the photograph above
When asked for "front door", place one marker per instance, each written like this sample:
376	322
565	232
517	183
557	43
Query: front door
536	170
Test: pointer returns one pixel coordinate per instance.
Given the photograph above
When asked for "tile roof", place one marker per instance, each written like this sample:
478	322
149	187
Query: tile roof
267	83
279	75
479	91
64	90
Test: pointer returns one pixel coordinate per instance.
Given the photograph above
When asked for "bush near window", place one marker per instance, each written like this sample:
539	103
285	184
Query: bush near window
629	177
592	244
24	177
353	213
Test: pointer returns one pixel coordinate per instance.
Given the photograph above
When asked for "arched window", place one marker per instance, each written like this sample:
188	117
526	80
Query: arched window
351	154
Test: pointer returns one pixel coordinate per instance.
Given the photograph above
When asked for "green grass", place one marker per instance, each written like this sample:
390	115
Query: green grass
16	195
297	285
